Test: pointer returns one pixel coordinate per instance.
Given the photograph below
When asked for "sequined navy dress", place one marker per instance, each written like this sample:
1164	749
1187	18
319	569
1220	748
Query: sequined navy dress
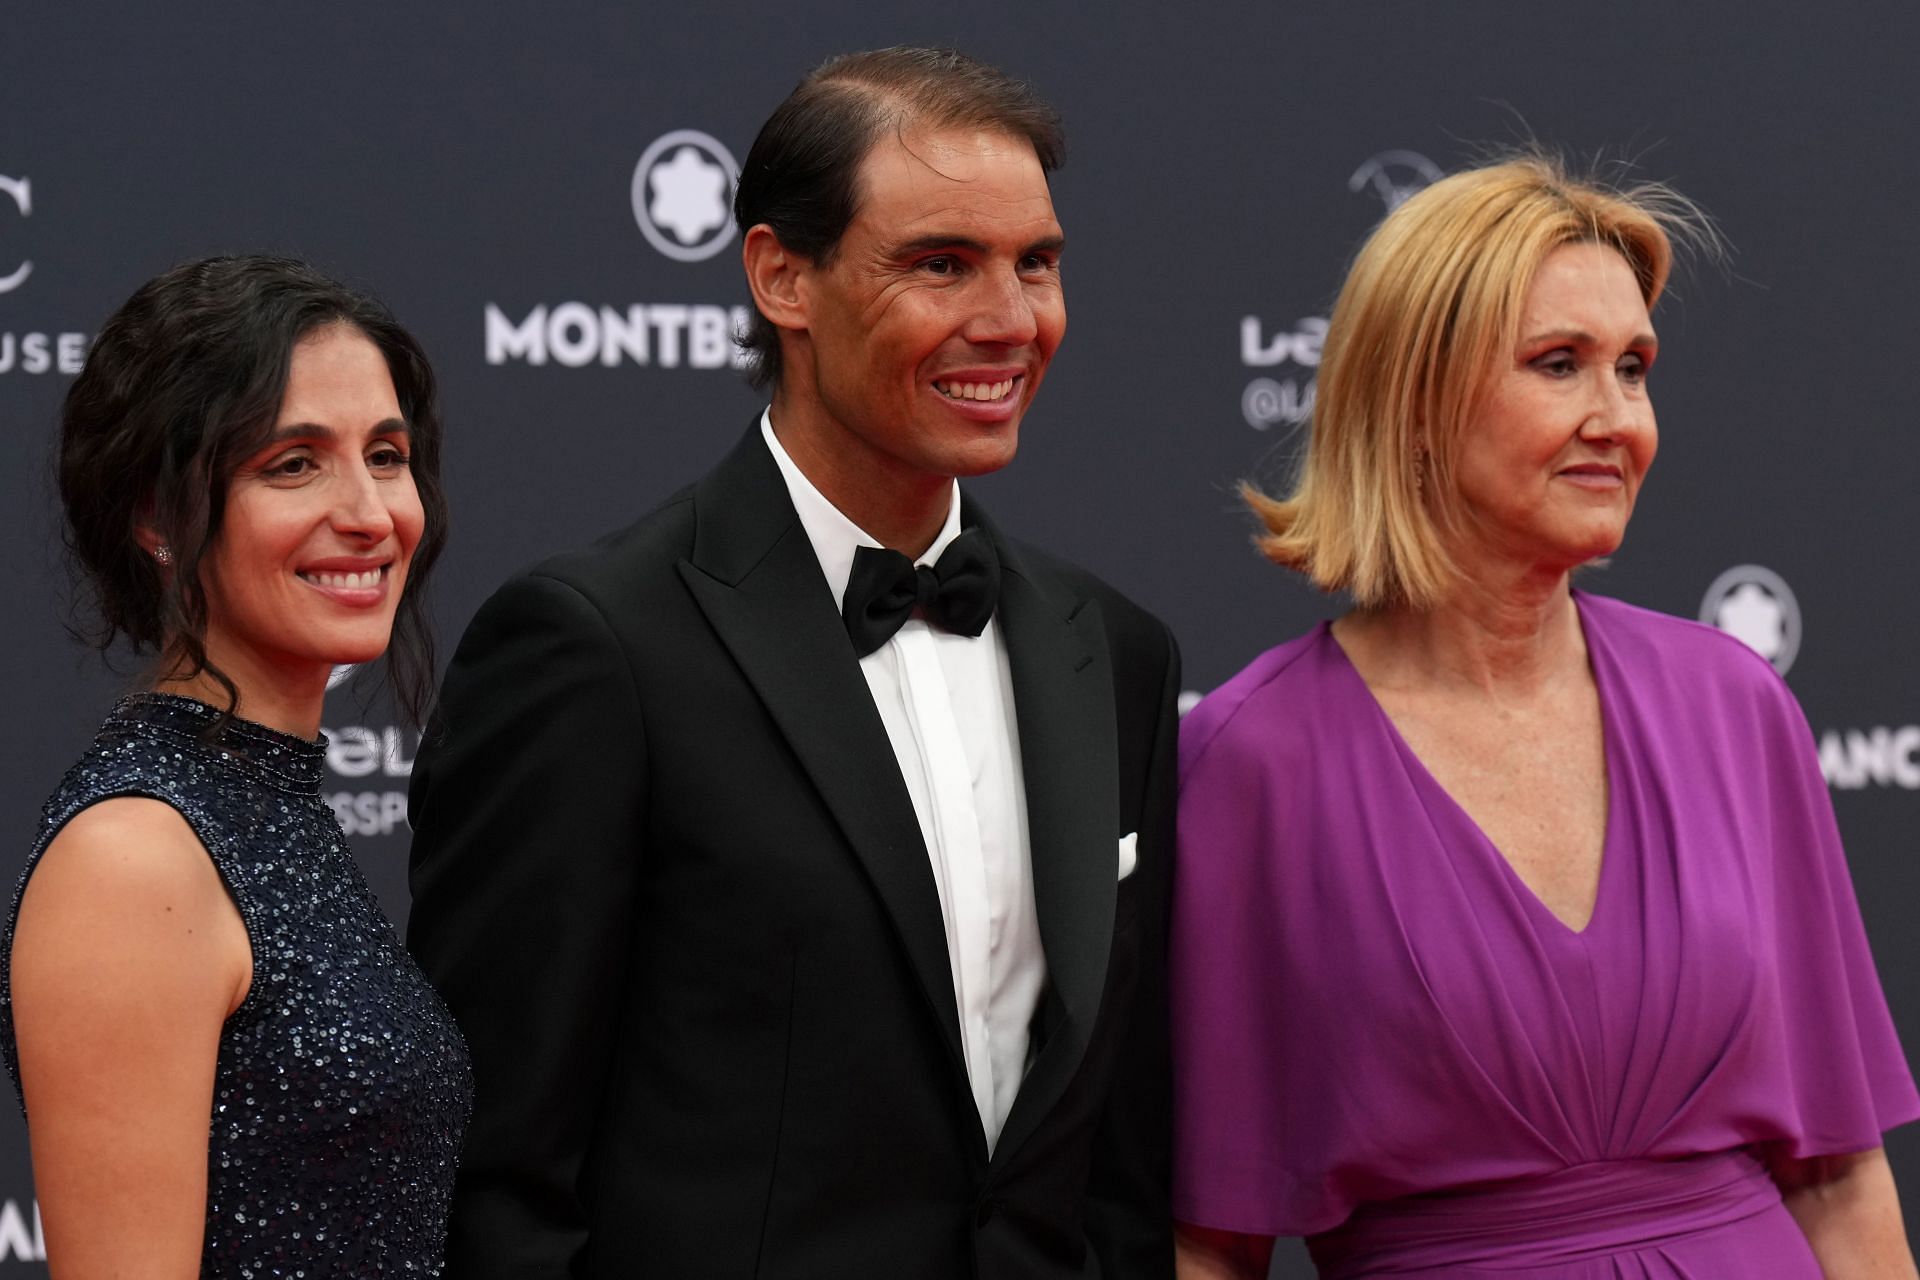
342	1086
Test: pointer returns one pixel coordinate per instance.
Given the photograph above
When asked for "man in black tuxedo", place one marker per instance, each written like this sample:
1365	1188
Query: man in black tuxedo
796	859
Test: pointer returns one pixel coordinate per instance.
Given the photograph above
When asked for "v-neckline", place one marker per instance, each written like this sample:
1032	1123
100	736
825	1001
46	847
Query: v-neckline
1423	776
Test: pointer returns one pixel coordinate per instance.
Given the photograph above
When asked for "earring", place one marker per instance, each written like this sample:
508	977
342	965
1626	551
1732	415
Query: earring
1419	467
163	553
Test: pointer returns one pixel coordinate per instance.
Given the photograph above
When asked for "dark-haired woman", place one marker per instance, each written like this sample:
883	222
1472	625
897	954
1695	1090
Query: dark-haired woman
229	1065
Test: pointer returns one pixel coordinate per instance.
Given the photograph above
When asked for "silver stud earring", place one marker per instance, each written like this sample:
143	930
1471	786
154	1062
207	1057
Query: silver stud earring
163	554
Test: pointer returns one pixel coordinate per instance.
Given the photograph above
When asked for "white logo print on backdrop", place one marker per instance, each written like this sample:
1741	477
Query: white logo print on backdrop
682	198
383	755
1754	605
32	351
1394	176
21	1237
21	190
683	195
1284	398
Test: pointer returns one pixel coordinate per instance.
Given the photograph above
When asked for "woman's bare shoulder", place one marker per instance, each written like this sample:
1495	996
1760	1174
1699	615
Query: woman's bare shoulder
124	848
126	889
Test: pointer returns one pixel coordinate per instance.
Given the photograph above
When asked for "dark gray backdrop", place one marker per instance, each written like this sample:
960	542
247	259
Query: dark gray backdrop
1224	162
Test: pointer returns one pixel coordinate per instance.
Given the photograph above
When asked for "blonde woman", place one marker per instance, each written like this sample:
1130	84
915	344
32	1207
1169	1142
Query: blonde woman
1514	935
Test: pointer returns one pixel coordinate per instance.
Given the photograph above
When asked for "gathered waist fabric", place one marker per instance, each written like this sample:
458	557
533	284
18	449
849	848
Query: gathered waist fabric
1577	1214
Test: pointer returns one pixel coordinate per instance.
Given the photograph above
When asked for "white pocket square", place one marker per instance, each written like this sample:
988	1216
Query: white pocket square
1128	856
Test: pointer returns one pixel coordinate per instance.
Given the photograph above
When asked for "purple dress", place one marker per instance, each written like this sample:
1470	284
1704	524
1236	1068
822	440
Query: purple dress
1385	1042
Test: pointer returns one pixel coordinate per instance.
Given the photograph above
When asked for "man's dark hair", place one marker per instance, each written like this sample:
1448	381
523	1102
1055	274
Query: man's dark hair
801	175
182	386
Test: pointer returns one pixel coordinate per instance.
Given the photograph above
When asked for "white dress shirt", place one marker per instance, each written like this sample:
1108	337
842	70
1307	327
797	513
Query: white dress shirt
947	703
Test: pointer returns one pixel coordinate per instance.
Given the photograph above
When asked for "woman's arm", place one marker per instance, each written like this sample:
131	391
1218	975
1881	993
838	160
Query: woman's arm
128	957
1850	1212
1201	1253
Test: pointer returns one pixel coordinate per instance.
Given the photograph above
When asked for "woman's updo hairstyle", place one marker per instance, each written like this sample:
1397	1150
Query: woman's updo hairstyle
183	384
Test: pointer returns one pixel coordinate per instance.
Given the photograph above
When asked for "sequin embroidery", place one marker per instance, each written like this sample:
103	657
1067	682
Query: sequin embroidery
342	1086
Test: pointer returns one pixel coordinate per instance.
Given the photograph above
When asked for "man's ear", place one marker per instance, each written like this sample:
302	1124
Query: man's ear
773	274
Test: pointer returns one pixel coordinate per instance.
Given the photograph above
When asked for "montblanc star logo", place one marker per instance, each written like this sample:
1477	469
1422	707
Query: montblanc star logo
1755	619
683	194
689	196
1755	606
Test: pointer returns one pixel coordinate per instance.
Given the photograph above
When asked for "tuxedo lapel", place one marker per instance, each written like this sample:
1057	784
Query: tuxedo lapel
1063	702
755	576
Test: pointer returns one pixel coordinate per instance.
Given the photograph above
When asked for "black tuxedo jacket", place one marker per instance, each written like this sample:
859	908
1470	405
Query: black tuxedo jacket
667	875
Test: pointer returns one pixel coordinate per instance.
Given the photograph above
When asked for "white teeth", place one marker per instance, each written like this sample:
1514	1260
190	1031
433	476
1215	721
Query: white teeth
350	581
975	390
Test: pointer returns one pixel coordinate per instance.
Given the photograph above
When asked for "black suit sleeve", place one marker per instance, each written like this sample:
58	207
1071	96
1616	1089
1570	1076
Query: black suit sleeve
528	801
1129	1216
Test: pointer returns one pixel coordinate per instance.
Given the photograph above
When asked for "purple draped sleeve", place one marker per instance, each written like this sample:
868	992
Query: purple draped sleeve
1833	1077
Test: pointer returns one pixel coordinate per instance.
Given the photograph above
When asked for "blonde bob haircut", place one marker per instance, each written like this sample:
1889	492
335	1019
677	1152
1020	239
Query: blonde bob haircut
1428	312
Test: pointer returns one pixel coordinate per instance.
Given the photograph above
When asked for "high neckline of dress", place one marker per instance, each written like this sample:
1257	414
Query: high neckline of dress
283	760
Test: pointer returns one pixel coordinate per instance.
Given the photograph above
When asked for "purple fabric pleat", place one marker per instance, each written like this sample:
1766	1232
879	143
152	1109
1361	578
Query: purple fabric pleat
1370	1007
1586	1213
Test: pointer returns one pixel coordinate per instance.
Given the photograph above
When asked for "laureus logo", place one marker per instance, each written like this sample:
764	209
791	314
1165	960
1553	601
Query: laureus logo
1754	605
1394	176
683	195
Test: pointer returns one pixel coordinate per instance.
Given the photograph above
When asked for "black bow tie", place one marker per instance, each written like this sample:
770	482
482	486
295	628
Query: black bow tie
958	591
